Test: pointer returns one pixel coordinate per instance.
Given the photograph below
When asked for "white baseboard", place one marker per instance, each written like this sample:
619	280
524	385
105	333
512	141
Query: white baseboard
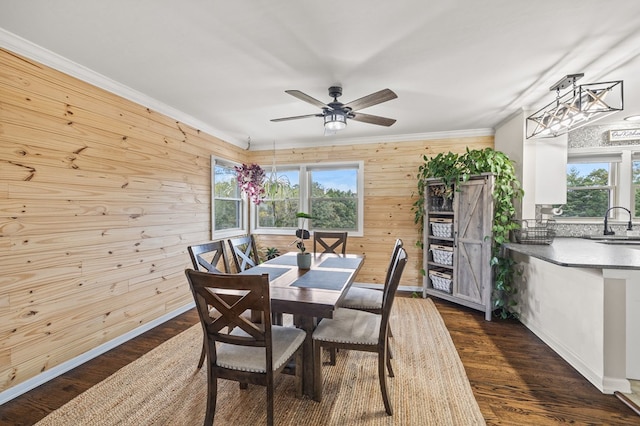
56	371
603	383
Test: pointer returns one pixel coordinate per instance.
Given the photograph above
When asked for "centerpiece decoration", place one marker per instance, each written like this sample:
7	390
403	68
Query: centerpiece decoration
304	257
251	181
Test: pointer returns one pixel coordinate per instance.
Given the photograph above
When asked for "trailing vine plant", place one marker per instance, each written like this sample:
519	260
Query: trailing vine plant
452	168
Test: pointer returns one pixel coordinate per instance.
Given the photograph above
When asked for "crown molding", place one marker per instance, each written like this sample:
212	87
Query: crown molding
261	146
21	46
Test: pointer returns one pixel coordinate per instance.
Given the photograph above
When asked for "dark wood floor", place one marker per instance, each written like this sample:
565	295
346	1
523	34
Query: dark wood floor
516	379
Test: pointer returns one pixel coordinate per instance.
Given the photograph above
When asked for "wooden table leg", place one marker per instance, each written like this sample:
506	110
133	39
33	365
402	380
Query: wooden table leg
307	324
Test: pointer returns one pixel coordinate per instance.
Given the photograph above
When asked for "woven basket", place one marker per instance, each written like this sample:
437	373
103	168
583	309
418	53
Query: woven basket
440	281
442	255
442	230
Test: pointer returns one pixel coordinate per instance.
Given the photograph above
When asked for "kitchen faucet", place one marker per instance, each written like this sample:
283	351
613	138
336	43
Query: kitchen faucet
609	231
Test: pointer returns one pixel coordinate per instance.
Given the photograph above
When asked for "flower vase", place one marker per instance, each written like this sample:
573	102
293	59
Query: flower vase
304	260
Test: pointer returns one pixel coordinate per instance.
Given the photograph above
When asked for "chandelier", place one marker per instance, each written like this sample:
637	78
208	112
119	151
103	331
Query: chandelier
581	104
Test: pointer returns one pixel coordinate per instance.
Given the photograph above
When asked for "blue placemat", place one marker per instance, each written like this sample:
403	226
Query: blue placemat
340	262
259	270
284	260
328	280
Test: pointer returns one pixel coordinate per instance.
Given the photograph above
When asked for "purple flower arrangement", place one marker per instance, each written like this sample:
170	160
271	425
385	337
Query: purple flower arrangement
251	181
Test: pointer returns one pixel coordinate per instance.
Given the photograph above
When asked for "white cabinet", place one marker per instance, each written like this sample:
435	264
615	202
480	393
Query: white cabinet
457	243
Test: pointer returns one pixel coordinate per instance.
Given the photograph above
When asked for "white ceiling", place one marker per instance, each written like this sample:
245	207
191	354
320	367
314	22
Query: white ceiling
458	67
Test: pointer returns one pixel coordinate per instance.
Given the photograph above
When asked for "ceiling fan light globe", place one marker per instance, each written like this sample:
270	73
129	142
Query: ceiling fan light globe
335	122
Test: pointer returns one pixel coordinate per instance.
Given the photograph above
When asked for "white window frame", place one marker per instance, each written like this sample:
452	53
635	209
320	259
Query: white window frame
232	232
635	156
620	177
305	195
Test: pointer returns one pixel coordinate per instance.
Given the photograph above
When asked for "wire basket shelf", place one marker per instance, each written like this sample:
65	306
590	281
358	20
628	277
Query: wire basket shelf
533	231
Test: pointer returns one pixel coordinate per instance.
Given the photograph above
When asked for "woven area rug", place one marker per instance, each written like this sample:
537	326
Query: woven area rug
164	387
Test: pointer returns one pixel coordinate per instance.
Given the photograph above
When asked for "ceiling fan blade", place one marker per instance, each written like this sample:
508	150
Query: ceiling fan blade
373	119
383	95
304	97
296	117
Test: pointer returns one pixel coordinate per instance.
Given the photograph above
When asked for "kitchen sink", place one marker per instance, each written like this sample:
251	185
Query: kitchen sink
617	240
621	242
613	239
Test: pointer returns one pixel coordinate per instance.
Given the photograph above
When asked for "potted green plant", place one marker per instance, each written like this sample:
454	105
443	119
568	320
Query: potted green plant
304	257
271	253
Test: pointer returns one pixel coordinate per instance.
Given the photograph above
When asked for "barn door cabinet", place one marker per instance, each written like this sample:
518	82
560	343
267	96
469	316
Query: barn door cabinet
457	243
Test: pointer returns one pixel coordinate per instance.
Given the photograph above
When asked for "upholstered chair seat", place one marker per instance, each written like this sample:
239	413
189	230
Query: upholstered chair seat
285	341
364	299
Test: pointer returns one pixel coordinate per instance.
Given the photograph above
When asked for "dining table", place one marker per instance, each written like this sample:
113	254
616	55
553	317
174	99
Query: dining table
309	294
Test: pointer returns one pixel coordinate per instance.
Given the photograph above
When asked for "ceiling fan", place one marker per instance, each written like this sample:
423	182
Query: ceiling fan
335	114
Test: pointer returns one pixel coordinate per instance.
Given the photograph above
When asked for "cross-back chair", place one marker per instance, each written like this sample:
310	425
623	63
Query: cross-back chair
245	256
244	252
330	242
208	256
362	331
238	349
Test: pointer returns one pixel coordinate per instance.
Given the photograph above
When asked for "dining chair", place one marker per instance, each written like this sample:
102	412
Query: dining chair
238	349
244	252
370	299
214	251
245	256
330	242
362	331
367	299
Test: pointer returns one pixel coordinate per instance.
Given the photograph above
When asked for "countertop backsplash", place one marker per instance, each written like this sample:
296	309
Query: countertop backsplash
580	229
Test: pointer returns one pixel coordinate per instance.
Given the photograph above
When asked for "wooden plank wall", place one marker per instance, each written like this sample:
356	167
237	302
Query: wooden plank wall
99	198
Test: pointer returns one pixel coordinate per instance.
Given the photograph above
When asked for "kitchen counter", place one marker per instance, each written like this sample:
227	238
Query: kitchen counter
582	298
583	253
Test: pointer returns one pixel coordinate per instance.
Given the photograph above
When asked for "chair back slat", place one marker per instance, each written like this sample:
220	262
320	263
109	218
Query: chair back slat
330	242
213	250
244	252
394	254
390	289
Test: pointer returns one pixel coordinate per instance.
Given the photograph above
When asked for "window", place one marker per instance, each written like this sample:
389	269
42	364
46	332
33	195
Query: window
636	188
227	200
281	201
600	178
331	193
333	199
589	189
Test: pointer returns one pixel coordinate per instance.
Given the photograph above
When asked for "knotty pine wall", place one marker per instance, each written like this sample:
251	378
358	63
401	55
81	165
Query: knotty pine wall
99	198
